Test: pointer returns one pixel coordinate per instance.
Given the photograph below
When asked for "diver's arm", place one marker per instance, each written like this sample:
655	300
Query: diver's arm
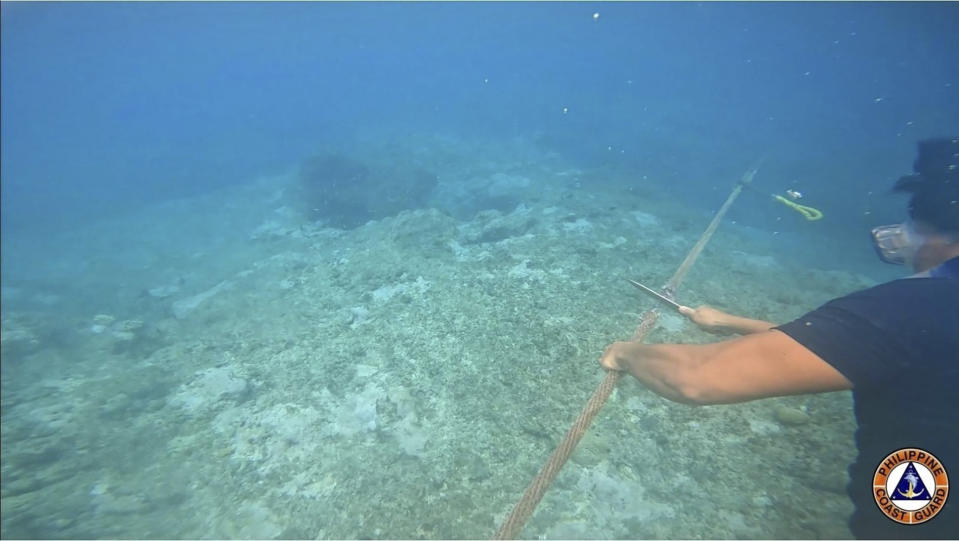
743	325
713	320
759	365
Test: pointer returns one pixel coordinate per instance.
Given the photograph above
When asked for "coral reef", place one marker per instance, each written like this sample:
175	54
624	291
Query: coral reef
254	375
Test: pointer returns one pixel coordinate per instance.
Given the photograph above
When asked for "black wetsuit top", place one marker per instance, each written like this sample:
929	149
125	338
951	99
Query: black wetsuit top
898	343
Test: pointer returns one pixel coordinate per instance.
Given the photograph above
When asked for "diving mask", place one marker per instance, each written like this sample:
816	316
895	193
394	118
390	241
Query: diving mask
897	244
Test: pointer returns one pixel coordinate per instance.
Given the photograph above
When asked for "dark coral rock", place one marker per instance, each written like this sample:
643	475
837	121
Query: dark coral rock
346	193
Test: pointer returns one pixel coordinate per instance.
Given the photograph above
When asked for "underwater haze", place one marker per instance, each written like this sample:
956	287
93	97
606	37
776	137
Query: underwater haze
344	270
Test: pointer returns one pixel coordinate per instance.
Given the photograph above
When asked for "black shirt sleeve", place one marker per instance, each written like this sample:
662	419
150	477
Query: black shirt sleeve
873	336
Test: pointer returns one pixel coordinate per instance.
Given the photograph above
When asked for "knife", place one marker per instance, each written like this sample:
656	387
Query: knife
656	294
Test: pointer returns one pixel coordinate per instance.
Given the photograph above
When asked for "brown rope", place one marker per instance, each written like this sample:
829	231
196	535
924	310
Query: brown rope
534	492
524	508
674	282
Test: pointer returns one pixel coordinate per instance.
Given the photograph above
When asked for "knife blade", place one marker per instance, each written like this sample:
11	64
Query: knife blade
656	294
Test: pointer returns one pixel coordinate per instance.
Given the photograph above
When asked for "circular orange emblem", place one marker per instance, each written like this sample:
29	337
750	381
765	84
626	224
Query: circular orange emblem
910	486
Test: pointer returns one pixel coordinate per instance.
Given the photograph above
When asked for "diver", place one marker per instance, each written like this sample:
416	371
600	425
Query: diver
895	345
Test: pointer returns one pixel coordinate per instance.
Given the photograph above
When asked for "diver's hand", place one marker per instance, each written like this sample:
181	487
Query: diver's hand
708	318
614	353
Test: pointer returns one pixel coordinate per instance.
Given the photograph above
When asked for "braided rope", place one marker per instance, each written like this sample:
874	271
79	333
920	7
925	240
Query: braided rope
680	273
534	492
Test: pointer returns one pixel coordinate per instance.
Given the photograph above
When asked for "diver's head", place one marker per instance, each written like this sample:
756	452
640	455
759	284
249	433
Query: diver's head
932	234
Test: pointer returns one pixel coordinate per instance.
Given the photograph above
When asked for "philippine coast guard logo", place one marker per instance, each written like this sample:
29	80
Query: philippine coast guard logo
910	486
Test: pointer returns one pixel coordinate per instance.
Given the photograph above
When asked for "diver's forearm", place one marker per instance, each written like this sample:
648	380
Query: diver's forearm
743	325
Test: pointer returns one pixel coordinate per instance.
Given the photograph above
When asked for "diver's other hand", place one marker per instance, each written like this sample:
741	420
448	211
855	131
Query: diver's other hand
615	356
707	317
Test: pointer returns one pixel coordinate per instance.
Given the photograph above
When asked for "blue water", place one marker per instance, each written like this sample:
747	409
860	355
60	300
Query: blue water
192	349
